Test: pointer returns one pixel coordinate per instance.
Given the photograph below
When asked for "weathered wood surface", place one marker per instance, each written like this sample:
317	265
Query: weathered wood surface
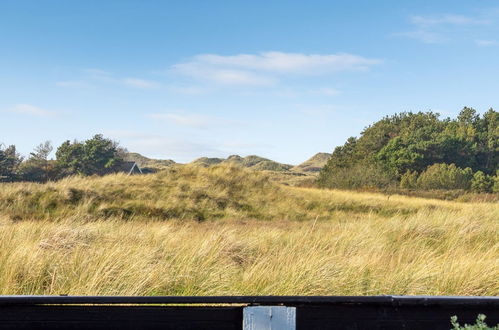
382	312
119	317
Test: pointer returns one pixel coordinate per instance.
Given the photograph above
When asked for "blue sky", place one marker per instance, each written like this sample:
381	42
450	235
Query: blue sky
281	79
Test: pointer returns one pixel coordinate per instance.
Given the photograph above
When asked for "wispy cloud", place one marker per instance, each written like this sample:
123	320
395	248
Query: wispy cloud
328	91
92	77
440	28
289	62
447	19
319	109
31	110
97	72
155	145
139	83
265	68
188	90
485	43
192	120
423	36
73	84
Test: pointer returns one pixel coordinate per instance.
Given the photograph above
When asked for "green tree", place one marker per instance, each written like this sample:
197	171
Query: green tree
38	167
414	141
9	163
495	187
444	176
70	158
481	182
490	140
94	156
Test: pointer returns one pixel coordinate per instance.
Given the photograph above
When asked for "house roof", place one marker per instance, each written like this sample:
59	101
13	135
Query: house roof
130	168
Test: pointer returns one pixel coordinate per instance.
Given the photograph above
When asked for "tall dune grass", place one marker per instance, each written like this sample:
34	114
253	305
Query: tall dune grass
225	230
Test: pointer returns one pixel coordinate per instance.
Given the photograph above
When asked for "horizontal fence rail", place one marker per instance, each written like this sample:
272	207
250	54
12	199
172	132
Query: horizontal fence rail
243	312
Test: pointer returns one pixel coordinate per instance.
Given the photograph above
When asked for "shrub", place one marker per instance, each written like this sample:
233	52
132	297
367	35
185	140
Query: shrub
409	180
481	182
358	176
480	324
445	176
495	187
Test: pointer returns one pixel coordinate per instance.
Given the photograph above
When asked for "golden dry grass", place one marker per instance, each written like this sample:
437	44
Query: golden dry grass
234	232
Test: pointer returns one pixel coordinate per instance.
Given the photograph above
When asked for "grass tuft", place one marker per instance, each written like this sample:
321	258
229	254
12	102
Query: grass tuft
224	230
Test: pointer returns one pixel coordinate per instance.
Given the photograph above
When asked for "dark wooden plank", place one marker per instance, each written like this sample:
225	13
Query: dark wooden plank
352	316
119	317
261	300
381	312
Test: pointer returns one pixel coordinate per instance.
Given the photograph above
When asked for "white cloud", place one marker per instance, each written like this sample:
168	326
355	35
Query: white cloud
448	19
325	91
485	43
438	28
318	109
262	68
92	77
188	90
139	83
192	120
239	77
97	72
223	76
289	62
73	84
158	146
28	109
423	36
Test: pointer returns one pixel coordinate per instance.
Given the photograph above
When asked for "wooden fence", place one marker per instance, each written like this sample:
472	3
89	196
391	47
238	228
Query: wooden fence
242	312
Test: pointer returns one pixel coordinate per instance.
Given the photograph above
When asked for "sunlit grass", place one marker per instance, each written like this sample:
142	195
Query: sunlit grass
224	230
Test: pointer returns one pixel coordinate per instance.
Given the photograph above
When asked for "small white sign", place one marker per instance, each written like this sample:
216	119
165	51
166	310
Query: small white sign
269	318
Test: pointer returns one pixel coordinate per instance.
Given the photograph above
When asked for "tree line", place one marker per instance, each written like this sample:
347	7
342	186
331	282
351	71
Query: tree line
420	151
97	155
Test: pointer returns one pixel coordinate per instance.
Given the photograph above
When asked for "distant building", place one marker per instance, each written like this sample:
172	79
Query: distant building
131	168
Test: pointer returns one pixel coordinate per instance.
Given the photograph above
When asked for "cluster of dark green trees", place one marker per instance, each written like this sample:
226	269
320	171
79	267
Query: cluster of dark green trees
420	151
97	155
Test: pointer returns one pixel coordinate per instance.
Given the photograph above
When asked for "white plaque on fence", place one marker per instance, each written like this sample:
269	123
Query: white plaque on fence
269	318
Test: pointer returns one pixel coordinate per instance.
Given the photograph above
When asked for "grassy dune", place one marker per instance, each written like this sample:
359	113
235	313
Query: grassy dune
225	230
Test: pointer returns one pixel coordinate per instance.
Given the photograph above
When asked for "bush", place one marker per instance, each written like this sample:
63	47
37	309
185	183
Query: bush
495	187
480	324
445	176
409	180
358	176
481	182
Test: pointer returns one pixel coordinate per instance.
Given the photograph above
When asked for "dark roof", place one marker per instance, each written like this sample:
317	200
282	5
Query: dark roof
130	168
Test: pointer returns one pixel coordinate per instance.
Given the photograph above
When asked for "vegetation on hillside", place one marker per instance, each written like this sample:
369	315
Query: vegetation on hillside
228	230
188	192
150	164
252	161
420	151
95	156
314	164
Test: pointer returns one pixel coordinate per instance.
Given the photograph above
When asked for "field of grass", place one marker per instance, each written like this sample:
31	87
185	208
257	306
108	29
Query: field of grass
225	230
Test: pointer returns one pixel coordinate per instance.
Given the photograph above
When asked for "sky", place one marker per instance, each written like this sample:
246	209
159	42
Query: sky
279	79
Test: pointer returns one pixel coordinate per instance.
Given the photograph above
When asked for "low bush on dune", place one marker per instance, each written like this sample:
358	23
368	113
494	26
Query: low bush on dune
187	192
